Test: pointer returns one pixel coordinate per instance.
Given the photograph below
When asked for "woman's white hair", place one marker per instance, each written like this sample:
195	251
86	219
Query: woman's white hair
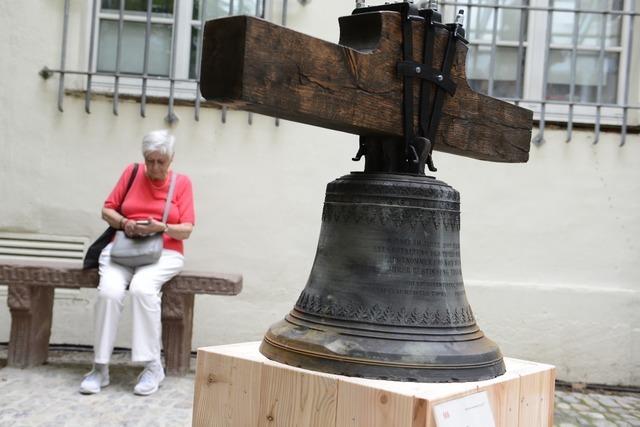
158	141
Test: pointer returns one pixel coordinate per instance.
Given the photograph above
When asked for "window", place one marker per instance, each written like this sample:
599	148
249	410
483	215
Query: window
154	45
501	74
565	59
133	50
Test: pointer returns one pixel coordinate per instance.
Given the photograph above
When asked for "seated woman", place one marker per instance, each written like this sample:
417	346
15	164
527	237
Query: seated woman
138	212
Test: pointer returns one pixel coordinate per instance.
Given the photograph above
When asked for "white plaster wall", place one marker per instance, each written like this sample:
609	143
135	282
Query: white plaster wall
550	248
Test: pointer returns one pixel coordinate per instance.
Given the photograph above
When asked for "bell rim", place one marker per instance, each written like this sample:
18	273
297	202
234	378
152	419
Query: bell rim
373	362
383	370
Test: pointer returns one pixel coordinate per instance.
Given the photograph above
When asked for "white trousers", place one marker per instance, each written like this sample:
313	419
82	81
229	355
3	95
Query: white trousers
145	284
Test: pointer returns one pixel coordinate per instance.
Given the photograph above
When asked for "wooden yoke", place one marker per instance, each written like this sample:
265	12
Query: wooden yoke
254	65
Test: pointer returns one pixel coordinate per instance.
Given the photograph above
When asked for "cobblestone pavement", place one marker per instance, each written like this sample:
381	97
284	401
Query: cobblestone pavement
573	409
48	396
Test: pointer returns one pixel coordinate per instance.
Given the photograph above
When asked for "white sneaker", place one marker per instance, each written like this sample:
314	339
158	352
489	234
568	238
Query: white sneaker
149	379
95	380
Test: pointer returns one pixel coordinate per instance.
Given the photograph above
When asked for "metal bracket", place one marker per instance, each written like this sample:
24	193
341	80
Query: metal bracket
416	70
434	83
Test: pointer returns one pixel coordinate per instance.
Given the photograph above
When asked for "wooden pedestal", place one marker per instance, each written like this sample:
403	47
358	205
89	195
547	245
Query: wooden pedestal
237	386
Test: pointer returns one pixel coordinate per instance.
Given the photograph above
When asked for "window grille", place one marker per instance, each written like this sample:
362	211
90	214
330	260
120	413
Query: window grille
144	43
555	57
568	60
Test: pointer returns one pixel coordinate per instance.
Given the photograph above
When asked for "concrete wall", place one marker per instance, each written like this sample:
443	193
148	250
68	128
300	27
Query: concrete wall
550	248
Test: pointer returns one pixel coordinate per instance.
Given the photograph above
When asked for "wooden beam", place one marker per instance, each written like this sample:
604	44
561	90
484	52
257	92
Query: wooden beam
254	65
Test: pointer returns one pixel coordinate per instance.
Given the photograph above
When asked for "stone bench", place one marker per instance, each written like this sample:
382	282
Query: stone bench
30	299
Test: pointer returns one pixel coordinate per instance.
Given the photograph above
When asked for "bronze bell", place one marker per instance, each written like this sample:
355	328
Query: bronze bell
385	298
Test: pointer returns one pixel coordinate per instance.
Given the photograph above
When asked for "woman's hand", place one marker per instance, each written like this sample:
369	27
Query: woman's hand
142	229
131	228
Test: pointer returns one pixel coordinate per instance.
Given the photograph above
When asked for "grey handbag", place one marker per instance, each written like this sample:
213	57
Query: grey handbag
139	251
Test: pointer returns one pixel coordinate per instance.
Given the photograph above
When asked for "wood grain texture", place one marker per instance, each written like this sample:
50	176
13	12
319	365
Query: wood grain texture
362	405
254	65
293	397
227	391
536	398
289	396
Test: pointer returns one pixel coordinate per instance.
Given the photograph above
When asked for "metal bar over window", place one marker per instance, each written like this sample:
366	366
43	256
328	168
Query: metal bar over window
539	139
92	39
603	39
145	64
537	8
492	60
520	64
203	15
223	115
574	58
627	87
171	116
63	54
116	82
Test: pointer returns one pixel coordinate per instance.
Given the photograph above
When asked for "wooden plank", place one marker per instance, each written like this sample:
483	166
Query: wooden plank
288	396
536	397
291	397
360	404
227	391
254	65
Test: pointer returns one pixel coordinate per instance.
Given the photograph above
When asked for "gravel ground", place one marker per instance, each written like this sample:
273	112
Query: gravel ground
48	396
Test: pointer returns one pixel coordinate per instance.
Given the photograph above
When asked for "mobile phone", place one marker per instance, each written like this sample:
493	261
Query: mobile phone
143	222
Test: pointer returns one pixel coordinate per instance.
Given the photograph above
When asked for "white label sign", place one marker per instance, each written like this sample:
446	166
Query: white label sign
469	411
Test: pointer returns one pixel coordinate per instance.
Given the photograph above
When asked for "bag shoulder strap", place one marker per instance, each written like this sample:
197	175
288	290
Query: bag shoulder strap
167	205
130	183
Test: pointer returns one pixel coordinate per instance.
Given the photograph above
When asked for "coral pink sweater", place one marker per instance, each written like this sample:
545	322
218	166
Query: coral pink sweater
146	198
